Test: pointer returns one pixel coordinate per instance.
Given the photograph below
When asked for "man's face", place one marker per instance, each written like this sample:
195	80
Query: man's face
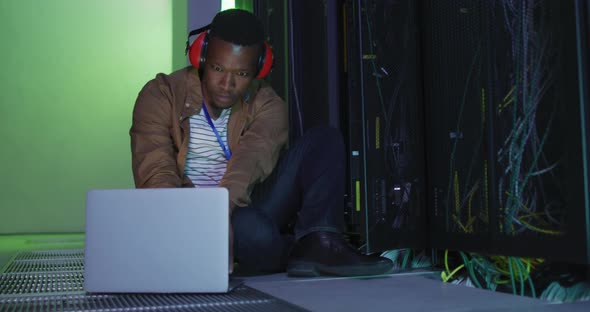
228	71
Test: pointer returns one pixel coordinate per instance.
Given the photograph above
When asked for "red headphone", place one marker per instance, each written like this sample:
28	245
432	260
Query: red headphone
197	53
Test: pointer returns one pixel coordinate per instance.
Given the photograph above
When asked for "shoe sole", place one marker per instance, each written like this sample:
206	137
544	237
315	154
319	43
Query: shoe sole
306	269
302	270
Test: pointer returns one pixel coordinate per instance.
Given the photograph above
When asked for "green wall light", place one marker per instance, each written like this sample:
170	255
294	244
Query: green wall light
71	75
227	4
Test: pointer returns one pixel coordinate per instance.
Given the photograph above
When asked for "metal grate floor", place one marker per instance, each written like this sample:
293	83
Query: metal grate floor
51	254
241	299
41	283
54	281
48	265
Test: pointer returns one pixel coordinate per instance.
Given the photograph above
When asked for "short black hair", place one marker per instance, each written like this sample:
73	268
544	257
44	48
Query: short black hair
238	27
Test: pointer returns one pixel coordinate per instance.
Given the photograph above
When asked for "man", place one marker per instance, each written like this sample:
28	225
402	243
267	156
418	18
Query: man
215	124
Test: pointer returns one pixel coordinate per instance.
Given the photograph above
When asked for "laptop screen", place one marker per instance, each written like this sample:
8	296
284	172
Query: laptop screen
157	240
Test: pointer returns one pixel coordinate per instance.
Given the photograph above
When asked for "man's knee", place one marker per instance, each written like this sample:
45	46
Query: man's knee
325	133
326	138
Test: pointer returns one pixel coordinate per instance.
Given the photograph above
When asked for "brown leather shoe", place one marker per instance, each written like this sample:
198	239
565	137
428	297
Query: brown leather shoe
327	253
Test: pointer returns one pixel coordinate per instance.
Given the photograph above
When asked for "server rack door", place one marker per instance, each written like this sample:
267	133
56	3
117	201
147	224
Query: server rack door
385	124
504	129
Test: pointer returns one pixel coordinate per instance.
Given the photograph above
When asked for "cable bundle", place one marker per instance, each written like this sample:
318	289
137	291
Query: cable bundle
407	259
515	275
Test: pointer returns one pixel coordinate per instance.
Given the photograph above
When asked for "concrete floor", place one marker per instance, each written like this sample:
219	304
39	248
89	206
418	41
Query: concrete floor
416	291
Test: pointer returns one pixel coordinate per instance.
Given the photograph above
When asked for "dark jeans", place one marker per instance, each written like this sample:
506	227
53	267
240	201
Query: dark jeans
304	194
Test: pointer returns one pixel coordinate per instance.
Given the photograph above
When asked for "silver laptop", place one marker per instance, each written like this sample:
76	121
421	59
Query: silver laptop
172	240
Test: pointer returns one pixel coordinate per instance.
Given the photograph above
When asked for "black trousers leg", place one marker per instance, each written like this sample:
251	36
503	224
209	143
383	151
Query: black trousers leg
305	189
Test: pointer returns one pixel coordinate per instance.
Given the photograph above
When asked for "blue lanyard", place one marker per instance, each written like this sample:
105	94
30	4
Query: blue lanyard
225	149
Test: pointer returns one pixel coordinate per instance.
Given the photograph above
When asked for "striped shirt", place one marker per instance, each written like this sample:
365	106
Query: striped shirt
205	160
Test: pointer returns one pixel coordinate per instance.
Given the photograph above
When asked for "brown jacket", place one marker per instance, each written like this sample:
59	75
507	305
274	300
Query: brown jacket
257	132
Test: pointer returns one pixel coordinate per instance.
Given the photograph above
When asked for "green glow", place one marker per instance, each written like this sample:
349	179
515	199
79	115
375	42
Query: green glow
227	4
12	243
247	5
179	32
71	73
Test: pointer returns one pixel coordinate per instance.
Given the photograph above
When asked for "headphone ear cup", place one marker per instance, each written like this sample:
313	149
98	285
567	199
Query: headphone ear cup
266	62
198	50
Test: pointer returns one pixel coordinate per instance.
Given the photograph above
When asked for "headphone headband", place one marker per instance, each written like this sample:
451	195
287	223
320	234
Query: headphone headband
197	52
192	33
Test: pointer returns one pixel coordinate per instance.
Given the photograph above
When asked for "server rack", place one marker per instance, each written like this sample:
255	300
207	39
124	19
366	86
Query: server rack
385	124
